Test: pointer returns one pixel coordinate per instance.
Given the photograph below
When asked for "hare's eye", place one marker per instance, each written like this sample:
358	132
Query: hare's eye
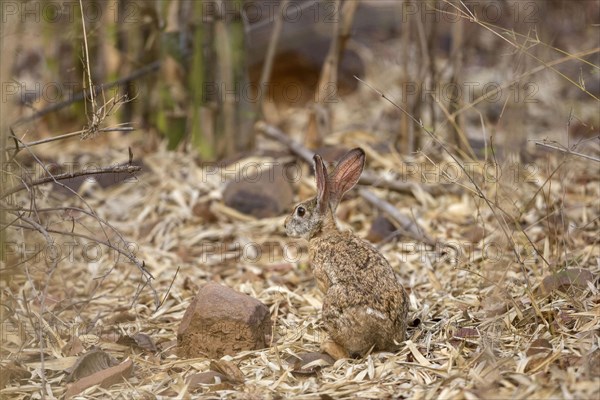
300	211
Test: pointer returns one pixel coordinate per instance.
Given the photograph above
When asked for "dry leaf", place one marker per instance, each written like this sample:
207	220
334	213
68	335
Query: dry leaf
203	211
309	363
463	336
566	279
140	341
466	333
12	372
228	369
204	378
73	347
56	364
104	378
539	346
494	305
121	317
89	363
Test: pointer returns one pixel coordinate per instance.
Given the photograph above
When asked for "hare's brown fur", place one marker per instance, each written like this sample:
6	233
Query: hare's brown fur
364	305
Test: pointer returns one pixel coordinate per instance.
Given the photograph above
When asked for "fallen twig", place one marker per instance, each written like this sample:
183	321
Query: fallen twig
367	178
408	226
562	149
65	136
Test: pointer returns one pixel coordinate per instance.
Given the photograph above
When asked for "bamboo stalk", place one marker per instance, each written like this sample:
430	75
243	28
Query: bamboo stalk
202	139
320	116
226	124
265	75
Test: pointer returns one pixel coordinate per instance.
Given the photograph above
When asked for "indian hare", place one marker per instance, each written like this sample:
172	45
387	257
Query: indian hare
364	305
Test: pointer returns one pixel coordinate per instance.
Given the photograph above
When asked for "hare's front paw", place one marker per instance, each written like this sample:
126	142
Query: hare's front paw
334	350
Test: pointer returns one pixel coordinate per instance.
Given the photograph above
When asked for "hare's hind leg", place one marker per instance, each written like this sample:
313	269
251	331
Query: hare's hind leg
334	349
352	324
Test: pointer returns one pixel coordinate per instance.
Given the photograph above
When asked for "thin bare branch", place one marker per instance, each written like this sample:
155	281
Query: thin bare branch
70	135
408	227
367	177
555	146
130	169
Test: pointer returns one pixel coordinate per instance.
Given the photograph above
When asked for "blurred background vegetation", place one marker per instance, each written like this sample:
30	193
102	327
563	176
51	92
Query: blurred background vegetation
193	72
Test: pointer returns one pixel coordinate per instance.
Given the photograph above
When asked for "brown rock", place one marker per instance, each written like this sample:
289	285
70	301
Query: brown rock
381	228
222	321
261	192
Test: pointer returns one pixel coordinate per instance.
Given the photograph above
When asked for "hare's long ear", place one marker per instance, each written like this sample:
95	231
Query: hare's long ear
322	184
345	175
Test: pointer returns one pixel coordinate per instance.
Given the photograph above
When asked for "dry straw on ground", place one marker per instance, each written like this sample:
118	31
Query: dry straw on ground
483	327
